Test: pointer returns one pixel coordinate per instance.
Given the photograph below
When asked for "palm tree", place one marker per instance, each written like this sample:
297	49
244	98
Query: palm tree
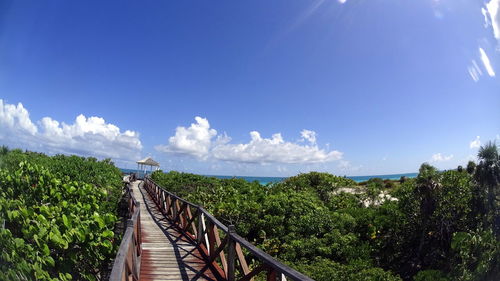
471	167
4	150
488	176
488	153
427	185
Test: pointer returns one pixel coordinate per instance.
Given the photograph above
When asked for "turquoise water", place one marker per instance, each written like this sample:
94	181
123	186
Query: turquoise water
140	174
261	180
266	180
384	177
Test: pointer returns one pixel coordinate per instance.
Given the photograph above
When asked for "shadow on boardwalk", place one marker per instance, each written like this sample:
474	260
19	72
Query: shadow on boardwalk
166	253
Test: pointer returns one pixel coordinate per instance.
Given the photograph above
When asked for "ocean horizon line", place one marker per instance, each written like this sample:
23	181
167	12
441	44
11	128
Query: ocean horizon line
253	176
270	179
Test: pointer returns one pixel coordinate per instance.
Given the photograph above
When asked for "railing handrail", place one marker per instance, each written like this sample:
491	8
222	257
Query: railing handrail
256	252
205	212
121	270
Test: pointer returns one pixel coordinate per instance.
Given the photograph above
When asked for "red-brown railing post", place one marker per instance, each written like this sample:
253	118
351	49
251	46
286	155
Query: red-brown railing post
271	275
201	229
127	261
174	210
231	253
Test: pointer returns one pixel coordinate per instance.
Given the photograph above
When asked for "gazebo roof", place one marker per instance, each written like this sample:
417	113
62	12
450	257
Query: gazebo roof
148	161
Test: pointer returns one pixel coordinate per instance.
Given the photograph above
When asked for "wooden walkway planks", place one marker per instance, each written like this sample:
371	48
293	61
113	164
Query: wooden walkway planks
166	254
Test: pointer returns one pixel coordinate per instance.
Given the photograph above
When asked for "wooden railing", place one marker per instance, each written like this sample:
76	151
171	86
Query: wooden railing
225	252
128	260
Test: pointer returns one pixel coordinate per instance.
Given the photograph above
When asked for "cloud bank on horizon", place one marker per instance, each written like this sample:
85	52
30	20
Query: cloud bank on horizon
202	142
93	136
90	136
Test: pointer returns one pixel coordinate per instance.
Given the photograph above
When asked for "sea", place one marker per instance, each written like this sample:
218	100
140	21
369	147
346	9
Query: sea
268	180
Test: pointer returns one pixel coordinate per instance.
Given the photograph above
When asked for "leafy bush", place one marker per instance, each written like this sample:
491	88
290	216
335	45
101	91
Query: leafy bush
317	223
328	270
431	275
477	255
58	216
301	218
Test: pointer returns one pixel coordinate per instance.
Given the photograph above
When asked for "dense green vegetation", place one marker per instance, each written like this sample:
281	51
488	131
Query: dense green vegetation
58	216
438	226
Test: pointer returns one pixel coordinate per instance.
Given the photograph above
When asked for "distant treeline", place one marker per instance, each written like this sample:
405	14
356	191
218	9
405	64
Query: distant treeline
437	226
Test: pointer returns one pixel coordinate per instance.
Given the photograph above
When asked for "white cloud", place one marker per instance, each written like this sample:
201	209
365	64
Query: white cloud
486	63
438	14
486	17
309	136
474	71
475	143
273	150
344	165
347	168
197	141
90	136
282	169
15	119
437	9
438	157
491	16
492	9
342	1
86	136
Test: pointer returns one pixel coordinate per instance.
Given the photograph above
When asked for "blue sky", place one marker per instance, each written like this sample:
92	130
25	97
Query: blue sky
266	88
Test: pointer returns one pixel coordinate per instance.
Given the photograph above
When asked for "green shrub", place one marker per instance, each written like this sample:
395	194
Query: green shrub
59	216
430	275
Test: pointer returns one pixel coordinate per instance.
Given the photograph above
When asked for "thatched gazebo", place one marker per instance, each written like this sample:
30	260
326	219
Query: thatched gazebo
144	163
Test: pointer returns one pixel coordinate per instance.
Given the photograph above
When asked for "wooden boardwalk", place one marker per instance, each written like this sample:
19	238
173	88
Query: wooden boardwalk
166	253
182	241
